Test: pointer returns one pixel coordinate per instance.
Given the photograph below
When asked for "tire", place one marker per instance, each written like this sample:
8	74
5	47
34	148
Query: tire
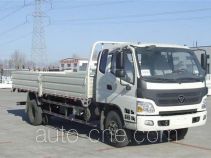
113	130
178	134
46	119
34	112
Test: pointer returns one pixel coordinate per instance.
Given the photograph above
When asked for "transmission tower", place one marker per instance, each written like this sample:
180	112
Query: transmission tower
39	50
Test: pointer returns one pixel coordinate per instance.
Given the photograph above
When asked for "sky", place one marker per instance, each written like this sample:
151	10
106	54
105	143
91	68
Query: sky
72	26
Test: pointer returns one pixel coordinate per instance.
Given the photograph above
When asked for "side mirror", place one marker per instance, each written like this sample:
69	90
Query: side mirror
120	72
204	61
204	58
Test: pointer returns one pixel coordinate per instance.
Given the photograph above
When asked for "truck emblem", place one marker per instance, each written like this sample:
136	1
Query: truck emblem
181	99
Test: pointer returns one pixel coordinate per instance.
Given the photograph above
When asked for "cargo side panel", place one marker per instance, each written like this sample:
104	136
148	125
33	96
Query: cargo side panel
25	80
67	85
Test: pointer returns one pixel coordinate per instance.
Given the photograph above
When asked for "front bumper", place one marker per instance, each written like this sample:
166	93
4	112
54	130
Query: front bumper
174	121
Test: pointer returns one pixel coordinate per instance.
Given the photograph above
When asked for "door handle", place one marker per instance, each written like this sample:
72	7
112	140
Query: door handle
109	87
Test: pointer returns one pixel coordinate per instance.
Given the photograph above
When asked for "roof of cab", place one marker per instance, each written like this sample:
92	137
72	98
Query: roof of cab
114	45
161	45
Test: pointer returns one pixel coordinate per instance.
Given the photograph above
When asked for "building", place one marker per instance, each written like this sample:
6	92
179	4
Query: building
198	54
75	64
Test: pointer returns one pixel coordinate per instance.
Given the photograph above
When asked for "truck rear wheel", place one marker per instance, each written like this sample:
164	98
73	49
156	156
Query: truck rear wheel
177	134
115	135
34	112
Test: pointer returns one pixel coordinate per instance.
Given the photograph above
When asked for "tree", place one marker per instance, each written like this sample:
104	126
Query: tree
1	64
6	64
17	60
30	64
75	56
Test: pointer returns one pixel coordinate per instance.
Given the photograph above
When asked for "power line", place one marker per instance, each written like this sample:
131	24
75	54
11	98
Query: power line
88	1
5	4
11	13
136	15
91	21
16	39
135	21
12	28
95	4
6	7
14	11
166	20
144	21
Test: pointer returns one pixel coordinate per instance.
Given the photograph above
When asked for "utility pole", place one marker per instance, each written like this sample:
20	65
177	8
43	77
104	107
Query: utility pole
39	50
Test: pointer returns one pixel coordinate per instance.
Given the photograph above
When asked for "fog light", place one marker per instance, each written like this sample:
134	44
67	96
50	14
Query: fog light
195	119
163	123
149	122
205	116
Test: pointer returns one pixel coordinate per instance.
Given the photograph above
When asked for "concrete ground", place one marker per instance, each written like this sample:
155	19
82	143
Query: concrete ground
20	139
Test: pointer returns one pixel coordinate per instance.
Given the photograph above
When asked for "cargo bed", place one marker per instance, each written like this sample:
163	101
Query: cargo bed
64	84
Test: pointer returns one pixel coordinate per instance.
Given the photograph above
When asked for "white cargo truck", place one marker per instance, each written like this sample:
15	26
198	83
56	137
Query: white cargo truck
135	87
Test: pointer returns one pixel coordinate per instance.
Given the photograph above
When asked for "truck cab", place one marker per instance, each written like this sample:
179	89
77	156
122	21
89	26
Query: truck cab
155	87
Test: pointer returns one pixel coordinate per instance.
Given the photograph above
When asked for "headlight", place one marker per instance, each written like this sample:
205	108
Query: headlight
145	107
204	104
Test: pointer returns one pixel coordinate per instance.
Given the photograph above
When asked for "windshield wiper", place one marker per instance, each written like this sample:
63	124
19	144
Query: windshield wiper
186	79
162	79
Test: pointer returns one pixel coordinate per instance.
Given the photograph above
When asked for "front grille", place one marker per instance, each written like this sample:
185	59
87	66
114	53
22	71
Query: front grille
172	99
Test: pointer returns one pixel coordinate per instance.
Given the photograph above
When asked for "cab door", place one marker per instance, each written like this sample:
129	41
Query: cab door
111	89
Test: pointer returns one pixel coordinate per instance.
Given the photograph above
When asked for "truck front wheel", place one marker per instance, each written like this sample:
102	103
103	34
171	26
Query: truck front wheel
115	135
177	134
34	112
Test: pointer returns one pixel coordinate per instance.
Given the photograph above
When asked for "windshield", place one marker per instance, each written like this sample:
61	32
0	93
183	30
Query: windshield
169	65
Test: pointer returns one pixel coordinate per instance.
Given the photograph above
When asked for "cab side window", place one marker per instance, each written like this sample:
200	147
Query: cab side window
103	62
128	66
113	64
